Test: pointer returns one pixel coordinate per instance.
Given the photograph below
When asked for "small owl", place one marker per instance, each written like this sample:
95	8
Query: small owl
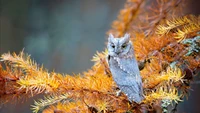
124	67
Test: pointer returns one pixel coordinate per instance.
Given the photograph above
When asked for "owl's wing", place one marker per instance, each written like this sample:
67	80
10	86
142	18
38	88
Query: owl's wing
130	66
131	93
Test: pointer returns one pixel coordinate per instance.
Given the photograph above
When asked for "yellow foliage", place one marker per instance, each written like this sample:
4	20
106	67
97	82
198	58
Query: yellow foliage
22	61
171	75
172	24
98	57
72	107
163	93
164	62
126	16
39	83
49	100
188	31
182	27
96	83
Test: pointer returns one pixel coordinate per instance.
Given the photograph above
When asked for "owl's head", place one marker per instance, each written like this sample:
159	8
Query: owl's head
119	47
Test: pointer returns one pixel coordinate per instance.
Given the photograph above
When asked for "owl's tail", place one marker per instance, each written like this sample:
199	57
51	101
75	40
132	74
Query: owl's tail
132	92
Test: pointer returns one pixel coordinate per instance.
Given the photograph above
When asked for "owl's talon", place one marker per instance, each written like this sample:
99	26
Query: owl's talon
118	93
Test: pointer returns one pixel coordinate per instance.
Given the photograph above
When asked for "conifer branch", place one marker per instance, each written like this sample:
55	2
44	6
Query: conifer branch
126	16
161	12
48	100
166	74
182	27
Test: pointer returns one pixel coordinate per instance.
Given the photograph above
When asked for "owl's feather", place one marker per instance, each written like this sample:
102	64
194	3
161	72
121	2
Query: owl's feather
131	93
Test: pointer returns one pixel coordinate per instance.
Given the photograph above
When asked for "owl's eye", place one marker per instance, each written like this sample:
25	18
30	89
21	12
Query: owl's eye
113	46
124	46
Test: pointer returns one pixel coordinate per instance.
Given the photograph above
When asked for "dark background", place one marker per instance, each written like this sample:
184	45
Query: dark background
63	35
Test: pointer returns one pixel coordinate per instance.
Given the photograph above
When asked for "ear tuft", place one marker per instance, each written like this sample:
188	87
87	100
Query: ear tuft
127	37
111	37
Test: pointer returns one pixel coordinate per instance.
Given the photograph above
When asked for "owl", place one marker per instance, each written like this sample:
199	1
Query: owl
124	67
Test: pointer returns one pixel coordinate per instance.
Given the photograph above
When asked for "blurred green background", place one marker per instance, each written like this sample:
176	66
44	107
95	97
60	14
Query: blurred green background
63	35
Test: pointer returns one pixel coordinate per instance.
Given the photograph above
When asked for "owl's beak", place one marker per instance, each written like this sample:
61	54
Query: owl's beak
117	52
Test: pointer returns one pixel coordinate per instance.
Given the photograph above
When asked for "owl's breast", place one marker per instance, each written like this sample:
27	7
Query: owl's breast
117	74
113	64
124	70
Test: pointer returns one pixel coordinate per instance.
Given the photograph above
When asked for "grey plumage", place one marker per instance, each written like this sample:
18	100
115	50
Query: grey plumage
124	68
